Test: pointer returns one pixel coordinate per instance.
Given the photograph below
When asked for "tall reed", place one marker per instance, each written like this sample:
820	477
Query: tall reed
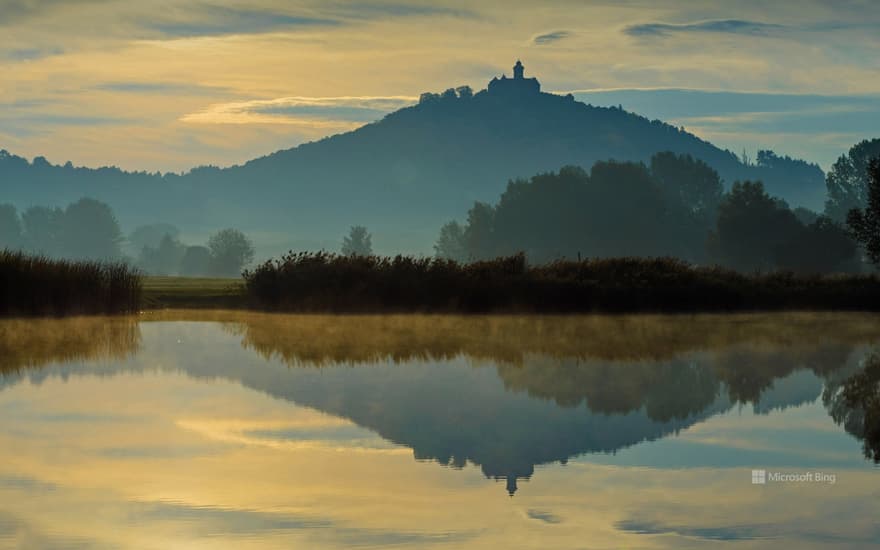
36	285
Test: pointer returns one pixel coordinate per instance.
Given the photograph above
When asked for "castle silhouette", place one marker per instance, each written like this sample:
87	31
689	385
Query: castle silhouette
518	85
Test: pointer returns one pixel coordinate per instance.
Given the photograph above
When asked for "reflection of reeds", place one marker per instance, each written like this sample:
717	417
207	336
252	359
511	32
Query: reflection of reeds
329	282
29	343
35	285
319	339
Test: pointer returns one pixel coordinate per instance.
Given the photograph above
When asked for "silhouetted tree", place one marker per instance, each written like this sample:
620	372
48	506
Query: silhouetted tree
10	228
89	230
478	232
450	245
151	235
465	92
689	182
805	215
231	251
625	209
359	242
751	227
196	261
164	259
823	246
42	227
865	224
847	181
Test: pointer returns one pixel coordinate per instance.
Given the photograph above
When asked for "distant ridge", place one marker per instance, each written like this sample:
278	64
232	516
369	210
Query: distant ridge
402	176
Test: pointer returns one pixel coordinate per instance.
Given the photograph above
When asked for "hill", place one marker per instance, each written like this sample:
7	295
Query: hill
402	176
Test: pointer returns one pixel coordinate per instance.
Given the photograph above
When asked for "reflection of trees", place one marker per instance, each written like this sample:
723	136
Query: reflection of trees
30	343
672	389
330	339
854	403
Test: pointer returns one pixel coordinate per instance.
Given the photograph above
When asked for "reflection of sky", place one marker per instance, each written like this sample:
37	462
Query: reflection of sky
150	457
118	82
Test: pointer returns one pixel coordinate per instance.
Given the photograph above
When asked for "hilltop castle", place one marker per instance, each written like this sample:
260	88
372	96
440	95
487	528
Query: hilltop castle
517	85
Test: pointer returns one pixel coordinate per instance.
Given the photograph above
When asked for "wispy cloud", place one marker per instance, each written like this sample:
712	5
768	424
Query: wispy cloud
550	38
30	54
371	10
175	88
730	26
311	111
222	20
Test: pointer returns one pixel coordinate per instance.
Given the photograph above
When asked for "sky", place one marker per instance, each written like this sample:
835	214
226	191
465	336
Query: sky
167	85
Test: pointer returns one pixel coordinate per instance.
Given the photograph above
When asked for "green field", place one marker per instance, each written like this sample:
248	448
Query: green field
192	292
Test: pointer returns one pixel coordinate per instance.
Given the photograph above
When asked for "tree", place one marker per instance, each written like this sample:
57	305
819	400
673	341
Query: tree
89	230
478	232
823	246
231	251
10	228
196	261
847	181
164	259
359	242
690	182
751	226
450	243
865	224
150	235
42	227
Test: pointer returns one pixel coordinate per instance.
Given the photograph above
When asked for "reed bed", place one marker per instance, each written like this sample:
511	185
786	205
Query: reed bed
320	281
36	285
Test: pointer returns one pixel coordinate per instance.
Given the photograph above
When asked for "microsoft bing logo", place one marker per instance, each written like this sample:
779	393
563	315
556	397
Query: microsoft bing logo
759	477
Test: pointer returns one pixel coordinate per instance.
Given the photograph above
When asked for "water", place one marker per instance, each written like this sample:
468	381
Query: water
236	430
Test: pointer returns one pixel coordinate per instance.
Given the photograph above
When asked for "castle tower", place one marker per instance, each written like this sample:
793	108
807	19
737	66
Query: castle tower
518	70
518	86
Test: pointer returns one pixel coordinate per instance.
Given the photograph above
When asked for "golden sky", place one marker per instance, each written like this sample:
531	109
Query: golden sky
171	84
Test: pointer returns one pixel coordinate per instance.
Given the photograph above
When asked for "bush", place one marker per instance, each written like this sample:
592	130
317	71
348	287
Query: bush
328	282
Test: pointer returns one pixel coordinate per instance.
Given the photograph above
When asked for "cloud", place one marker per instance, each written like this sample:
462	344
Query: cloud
733	532
729	26
371	10
37	119
12	11
310	111
177	88
550	38
220	20
31	54
546	517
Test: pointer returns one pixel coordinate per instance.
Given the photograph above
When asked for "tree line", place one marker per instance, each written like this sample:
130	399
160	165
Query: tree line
88	230
675	206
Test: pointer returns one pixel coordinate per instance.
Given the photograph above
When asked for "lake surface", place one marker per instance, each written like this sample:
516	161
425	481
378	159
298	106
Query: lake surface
241	430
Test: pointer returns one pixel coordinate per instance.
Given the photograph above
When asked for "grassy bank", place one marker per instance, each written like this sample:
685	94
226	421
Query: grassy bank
193	292
329	282
33	285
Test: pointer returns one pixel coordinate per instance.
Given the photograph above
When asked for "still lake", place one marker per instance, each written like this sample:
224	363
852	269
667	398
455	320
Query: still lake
241	430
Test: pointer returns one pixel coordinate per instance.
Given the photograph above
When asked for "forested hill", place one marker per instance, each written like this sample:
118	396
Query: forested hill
402	176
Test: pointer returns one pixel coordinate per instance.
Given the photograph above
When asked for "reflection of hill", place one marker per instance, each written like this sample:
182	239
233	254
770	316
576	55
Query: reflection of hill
28	343
510	393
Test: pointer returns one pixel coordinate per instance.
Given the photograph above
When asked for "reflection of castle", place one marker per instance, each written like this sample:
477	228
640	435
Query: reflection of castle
516	85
